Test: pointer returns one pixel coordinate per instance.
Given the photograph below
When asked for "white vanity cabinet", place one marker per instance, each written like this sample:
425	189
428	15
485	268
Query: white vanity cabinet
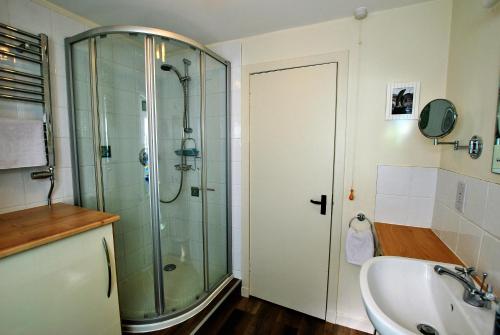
64	287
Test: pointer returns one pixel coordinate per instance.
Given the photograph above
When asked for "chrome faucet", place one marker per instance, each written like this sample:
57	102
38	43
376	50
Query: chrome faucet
472	295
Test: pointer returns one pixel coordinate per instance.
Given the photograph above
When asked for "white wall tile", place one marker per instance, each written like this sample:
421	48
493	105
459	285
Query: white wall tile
423	182
62	27
236	195
4	13
469	241
62	152
405	195
420	211
446	223
393	180
11	189
492	212
447	187
475	200
17	189
35	190
59	91
27	15
438	217
489	256
236	173
57	58
236	150
476	240
61	122
391	209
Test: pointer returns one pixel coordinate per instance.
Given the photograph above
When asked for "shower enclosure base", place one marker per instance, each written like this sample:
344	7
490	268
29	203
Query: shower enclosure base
200	313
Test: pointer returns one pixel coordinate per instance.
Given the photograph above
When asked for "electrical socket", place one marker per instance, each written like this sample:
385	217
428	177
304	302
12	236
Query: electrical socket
460	198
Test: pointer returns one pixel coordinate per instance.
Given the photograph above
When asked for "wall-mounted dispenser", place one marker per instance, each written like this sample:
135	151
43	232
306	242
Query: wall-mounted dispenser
438	119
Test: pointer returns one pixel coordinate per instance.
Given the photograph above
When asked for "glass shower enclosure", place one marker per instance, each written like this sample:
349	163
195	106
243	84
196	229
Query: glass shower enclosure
150	120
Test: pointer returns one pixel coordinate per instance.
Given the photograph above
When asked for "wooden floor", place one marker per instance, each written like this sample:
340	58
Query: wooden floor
252	316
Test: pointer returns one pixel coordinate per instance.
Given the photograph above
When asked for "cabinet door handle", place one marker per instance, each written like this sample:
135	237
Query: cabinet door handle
108	260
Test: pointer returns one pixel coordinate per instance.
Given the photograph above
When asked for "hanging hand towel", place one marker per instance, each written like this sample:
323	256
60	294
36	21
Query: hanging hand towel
359	246
21	143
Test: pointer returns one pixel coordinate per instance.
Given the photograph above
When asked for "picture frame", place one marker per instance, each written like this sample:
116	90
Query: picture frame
402	101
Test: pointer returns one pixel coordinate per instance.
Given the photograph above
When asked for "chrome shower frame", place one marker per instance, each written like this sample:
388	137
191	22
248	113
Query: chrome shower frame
161	321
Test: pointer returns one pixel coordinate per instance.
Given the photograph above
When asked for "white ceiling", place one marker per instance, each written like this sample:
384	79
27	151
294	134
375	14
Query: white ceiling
209	21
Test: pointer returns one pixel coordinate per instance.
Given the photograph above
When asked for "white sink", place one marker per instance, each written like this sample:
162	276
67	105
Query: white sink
401	293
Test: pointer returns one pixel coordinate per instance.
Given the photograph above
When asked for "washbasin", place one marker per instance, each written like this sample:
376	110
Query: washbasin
405	296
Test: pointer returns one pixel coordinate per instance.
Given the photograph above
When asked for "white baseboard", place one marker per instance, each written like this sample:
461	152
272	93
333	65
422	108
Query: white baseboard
359	324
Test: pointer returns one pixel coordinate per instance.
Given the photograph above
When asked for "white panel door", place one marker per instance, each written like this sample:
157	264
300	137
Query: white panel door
292	133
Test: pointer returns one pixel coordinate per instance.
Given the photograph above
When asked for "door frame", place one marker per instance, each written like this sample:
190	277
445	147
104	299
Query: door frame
342	59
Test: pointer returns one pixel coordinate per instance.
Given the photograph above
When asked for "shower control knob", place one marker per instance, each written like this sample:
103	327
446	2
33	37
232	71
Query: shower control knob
143	157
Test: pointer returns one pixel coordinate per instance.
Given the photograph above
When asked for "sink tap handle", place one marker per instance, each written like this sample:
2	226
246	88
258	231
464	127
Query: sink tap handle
470	271
489	294
483	281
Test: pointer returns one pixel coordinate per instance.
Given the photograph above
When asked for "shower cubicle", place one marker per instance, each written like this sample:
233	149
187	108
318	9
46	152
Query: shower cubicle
150	119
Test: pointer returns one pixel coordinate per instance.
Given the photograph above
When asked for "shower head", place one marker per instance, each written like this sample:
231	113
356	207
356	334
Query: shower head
168	68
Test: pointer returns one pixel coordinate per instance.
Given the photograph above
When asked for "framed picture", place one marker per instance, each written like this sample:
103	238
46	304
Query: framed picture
402	101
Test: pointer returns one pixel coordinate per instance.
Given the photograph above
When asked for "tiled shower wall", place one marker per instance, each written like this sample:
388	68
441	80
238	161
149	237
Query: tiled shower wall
17	189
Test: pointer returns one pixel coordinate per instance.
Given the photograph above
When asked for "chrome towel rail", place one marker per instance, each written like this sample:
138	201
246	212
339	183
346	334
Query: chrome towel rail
20	73
21	47
18	48
19	31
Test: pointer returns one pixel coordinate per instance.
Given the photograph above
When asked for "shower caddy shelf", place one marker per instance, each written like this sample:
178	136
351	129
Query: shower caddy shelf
192	152
29	87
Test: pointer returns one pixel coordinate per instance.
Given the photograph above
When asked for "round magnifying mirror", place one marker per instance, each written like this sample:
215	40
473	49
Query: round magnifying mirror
437	118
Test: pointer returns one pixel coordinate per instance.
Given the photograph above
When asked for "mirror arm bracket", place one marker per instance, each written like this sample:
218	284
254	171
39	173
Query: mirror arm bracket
456	144
475	146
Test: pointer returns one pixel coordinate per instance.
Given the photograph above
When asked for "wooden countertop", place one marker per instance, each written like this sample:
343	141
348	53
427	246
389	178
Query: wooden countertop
30	228
413	242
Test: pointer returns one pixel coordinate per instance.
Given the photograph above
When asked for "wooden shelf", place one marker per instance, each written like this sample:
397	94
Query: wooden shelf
413	242
30	228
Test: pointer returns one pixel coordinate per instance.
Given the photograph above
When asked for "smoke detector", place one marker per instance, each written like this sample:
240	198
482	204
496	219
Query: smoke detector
361	13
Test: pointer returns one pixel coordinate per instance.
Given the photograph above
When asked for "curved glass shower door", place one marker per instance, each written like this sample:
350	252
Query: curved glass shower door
150	140
177	77
124	138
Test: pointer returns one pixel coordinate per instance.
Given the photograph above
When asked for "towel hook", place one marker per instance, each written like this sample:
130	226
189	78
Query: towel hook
361	217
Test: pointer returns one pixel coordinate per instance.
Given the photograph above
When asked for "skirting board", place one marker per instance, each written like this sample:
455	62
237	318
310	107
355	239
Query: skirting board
358	324
245	292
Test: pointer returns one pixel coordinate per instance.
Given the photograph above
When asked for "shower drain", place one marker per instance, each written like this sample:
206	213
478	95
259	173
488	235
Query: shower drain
426	329
170	267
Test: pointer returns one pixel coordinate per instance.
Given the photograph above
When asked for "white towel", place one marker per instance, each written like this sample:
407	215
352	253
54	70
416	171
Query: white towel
359	246
21	143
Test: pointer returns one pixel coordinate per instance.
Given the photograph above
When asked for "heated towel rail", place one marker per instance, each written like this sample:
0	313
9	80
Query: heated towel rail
25	77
